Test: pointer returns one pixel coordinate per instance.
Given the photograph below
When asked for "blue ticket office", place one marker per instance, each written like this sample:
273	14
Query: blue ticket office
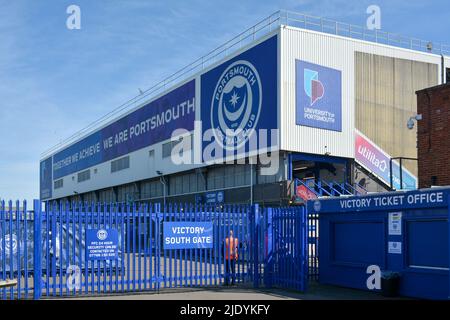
405	232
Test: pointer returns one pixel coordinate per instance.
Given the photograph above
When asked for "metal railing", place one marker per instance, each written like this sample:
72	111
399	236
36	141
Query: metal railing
262	28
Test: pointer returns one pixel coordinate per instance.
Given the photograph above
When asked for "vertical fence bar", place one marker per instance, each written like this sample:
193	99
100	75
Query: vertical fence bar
152	254
3	221
81	217
145	211
89	265
196	208
11	248
111	261
123	234
210	251
133	222
169	253
128	245
191	279
26	241
52	237
37	292
97	270
116	264
19	255
73	258
255	218
186	251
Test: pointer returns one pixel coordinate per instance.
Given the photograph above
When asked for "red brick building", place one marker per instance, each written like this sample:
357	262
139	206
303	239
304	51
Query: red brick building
434	136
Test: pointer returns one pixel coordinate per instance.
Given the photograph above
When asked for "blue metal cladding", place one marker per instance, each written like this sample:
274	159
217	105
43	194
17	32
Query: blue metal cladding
358	232
241	94
148	125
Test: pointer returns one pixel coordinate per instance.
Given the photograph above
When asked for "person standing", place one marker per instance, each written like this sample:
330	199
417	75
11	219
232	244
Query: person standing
231	256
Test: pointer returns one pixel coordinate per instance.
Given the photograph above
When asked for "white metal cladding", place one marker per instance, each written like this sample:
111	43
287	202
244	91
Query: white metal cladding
334	52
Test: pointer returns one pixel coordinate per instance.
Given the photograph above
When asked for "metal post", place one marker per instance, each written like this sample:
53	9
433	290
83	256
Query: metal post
268	270
401	174
255	222
37	260
448	219
251	182
390	173
157	246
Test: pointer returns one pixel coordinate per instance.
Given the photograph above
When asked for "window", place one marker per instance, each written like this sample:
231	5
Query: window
120	164
168	146
58	184
84	175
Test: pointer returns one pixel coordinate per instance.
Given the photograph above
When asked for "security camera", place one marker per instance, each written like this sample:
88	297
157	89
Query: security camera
410	123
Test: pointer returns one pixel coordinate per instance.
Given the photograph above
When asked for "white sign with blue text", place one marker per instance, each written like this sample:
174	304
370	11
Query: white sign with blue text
395	223
188	235
394	247
102	244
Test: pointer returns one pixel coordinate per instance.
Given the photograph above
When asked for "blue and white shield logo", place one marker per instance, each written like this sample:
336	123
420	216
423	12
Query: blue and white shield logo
102	234
236	105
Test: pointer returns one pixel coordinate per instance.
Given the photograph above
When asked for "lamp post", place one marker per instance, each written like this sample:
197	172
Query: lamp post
163	182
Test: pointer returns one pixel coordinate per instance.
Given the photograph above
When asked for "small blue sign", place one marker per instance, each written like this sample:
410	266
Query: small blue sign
45	178
214	197
188	235
319	96
102	244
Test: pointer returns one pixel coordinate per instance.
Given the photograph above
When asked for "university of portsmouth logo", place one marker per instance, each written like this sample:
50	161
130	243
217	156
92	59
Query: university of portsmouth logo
236	104
318	96
313	87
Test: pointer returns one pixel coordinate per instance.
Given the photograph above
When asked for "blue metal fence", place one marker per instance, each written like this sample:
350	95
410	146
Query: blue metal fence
50	254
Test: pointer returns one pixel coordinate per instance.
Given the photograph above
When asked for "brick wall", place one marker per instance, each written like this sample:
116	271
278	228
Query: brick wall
434	136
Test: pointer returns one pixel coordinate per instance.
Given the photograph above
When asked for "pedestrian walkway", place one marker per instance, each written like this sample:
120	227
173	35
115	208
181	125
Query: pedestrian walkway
315	292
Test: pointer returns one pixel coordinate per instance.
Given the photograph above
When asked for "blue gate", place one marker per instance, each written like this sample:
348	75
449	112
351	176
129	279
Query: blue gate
70	249
287	264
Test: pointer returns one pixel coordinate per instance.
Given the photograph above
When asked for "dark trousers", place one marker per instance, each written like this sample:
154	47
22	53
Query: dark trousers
230	267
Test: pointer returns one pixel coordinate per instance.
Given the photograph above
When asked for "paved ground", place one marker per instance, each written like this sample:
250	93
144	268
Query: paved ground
315	292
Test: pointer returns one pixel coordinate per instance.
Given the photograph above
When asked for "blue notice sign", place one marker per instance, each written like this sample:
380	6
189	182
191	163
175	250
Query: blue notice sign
46	179
102	244
214	197
188	235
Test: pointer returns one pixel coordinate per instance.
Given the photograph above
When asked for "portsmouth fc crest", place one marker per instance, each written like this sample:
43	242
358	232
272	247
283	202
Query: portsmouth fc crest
236	105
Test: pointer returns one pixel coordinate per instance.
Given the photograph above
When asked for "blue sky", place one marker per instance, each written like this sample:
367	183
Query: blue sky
55	81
